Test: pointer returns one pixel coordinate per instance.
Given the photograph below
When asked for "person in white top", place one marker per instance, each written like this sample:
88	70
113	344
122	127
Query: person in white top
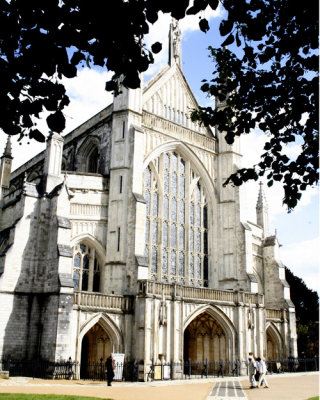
262	369
252	371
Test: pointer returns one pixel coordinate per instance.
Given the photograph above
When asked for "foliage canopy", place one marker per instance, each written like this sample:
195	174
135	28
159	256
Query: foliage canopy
306	302
272	85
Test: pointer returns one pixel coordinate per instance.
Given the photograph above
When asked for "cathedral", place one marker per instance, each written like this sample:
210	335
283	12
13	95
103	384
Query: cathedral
120	237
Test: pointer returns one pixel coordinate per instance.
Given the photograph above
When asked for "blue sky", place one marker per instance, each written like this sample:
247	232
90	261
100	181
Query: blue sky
297	232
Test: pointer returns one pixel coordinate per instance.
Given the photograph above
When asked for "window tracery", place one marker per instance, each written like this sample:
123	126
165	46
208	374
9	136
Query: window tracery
176	223
86	269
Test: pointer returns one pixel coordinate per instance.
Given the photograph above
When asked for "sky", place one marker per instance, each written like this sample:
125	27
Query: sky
297	232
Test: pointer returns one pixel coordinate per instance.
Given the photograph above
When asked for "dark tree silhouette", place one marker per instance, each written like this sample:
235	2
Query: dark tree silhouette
306	302
272	85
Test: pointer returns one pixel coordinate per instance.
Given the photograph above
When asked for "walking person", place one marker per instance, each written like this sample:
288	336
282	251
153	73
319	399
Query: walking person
262	368
110	369
252	371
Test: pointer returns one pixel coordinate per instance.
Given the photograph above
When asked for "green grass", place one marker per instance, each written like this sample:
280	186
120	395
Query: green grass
314	398
23	396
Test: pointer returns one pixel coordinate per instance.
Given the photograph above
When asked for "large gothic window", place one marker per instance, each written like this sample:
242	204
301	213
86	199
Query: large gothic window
176	223
86	269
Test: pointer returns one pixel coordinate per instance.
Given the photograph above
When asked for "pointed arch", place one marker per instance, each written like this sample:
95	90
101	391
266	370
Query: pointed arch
216	314
88	154
33	176
274	341
92	241
88	264
189	155
177	241
110	328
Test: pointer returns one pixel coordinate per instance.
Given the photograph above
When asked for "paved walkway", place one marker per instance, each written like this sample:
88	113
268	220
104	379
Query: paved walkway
300	386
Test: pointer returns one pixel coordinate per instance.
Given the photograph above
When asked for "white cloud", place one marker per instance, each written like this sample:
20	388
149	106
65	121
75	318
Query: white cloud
159	31
252	148
87	97
302	258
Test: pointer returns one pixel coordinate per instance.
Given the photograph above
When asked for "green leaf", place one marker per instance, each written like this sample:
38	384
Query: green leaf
204	26
156	47
213	4
56	122
37	135
225	27
229	40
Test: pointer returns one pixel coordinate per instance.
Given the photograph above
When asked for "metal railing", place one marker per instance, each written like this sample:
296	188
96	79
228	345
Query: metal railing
126	371
195	370
208	369
129	370
293	365
96	371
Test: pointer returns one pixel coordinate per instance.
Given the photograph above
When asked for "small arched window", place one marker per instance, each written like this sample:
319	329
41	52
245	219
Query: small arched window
86	269
92	163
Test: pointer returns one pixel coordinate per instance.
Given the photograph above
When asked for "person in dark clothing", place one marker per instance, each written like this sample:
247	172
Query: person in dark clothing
110	369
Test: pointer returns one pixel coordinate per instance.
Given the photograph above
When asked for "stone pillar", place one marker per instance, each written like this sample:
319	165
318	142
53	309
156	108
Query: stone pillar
52	164
5	169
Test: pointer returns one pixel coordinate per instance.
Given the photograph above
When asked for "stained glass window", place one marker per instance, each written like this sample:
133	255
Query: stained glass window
165	262
191	213
166	207
166	160
191	267
155	204
191	237
173	236
76	279
147	197
166	181
181	264
85	264
174	180
179	212
154	232
154	260
198	241
173	263
198	267
181	237
181	186
198	215
173	210
165	234
174	162
181	166
148	178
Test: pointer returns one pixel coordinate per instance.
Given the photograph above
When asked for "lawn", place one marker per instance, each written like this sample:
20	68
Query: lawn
23	396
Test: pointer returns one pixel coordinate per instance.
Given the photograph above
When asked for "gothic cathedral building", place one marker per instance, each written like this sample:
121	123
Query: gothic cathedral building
120	237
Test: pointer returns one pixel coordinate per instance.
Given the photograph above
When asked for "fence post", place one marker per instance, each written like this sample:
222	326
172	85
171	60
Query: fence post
305	364
189	367
137	370
171	370
206	370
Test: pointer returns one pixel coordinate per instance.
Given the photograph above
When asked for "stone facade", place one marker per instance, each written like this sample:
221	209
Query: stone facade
120	237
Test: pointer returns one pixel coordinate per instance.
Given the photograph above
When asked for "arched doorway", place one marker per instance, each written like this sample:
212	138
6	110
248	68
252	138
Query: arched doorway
205	340
95	348
273	343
